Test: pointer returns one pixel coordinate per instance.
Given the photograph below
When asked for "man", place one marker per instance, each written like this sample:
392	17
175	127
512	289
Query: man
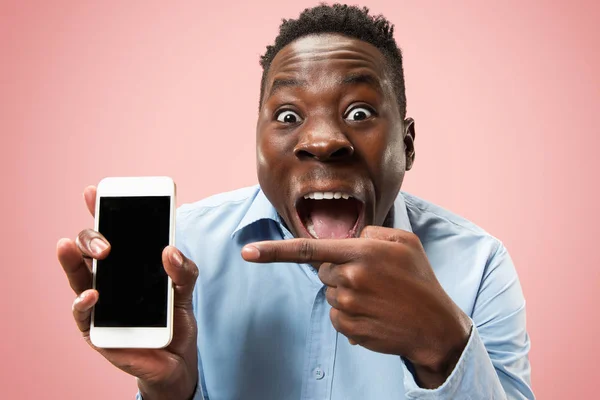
372	294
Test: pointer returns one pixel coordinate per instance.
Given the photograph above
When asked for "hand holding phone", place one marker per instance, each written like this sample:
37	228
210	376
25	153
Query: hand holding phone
169	372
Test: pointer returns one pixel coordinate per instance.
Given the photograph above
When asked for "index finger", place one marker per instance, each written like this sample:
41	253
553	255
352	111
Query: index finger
71	259
337	251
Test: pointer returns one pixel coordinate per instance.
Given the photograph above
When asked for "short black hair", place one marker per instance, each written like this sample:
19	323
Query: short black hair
350	21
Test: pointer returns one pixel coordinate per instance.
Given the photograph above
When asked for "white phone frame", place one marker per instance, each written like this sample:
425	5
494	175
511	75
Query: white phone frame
150	337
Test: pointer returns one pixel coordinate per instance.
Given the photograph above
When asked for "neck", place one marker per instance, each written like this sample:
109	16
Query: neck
388	222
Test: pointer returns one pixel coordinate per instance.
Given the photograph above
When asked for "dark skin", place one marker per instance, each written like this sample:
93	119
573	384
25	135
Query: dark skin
329	121
327	148
351	138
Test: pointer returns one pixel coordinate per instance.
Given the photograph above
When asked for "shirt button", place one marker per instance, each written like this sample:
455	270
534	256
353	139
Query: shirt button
319	373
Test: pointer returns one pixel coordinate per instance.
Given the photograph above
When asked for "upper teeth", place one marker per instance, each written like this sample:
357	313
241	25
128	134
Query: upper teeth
326	195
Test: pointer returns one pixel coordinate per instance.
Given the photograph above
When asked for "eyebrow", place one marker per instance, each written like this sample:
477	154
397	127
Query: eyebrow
279	84
368	79
353	79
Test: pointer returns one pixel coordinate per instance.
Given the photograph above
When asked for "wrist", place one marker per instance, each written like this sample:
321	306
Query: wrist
181	389
435	369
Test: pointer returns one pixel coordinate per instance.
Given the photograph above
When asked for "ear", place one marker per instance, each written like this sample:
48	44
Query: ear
409	142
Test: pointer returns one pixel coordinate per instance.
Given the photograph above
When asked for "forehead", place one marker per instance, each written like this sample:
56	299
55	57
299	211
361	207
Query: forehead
316	57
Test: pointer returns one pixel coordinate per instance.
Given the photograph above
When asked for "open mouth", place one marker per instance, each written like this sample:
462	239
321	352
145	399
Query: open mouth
330	215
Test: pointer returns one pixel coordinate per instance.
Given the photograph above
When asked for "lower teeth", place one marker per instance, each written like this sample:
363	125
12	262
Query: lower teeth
311	229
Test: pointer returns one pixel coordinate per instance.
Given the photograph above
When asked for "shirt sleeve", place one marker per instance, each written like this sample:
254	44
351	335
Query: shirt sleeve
495	361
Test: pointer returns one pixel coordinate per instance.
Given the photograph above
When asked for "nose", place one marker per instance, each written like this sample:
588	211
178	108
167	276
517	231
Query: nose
324	145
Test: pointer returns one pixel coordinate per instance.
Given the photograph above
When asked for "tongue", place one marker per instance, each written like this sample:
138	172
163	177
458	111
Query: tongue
332	219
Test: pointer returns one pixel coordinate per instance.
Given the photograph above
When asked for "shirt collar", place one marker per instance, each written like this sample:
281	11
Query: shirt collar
261	208
401	220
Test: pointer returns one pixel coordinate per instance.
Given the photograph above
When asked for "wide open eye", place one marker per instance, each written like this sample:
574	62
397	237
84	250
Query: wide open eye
288	117
358	114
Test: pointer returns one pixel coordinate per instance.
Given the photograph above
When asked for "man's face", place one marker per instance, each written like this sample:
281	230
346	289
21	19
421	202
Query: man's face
331	145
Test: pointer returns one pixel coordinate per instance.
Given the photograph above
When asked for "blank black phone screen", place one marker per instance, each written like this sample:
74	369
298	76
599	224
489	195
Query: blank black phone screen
131	281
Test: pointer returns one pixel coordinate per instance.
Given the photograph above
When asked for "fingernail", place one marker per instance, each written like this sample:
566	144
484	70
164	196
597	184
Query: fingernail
250	253
176	259
98	245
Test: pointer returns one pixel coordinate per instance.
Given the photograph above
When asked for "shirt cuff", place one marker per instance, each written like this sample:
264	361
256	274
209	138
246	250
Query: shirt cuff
473	377
198	395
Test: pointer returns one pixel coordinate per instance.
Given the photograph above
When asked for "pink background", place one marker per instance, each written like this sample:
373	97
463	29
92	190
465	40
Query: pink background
506	98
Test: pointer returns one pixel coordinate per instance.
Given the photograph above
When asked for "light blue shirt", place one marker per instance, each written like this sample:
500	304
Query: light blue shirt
264	330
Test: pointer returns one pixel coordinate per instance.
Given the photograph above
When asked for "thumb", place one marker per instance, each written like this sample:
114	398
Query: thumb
183	272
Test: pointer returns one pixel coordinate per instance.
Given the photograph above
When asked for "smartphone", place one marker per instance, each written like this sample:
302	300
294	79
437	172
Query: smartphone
135	304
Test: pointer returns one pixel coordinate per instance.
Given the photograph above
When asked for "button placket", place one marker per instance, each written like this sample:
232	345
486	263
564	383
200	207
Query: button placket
320	351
